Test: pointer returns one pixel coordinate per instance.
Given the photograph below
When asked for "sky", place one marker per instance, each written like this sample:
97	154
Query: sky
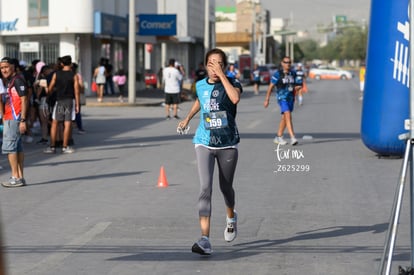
307	14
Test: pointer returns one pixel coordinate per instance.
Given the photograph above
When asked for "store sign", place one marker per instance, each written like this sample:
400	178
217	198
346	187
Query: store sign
8	25
157	24
340	19
29	47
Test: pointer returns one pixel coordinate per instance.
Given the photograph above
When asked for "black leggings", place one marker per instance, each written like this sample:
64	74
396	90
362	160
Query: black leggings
227	162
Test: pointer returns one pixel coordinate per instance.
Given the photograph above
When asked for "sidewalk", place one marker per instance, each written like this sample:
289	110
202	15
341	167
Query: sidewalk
144	97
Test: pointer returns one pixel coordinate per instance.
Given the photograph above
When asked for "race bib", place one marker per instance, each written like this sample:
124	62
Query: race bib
215	120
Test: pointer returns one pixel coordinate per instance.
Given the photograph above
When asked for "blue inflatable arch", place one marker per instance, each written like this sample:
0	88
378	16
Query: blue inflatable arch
386	99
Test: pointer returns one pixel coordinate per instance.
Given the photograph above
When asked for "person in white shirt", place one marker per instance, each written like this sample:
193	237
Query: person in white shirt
172	80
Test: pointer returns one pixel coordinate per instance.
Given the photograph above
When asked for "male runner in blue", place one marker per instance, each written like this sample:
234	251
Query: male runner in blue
284	81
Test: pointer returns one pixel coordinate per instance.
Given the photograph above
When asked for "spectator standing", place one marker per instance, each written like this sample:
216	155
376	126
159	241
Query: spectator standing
109	83
120	80
181	69
3	90
159	78
66	106
78	118
32	107
172	88
13	108
100	78
40	88
199	74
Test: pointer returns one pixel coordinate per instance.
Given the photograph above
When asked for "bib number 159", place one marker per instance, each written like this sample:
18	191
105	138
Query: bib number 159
215	120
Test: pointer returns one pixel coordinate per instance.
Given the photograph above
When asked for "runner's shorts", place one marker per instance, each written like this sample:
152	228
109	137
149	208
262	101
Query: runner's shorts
286	106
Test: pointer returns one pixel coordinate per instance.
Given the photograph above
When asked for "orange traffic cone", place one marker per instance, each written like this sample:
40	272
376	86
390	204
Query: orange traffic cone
162	179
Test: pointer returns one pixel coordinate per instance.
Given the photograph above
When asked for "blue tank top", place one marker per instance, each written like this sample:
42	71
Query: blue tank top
217	127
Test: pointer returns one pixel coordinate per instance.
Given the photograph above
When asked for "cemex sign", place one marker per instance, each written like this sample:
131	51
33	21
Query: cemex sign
8	25
157	24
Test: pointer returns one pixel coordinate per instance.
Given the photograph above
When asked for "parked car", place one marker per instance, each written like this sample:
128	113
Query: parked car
150	78
264	75
326	72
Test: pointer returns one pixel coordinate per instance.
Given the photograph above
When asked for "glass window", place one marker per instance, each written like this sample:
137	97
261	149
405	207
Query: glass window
38	13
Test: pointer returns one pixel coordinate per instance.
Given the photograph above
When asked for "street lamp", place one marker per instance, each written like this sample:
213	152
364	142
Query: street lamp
261	52
254	46
288	36
163	43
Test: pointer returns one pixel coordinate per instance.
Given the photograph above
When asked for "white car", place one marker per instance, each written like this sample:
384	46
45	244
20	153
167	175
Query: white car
326	72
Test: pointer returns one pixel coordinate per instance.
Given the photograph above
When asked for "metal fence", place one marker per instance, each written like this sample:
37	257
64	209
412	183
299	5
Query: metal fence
48	52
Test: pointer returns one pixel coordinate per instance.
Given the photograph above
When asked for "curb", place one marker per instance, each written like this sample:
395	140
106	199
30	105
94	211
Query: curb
124	104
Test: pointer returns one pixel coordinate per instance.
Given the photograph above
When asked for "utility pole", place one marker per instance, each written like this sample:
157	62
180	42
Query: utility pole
132	53
206	26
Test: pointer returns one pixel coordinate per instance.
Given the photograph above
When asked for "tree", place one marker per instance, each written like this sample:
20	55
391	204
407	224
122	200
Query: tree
349	43
309	48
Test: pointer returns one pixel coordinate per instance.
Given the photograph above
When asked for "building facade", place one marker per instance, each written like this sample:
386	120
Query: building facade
91	29
196	33
246	29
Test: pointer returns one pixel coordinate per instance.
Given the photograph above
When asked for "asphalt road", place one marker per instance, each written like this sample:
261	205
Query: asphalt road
321	207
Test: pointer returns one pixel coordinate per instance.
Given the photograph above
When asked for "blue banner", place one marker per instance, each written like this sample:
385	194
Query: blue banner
157	24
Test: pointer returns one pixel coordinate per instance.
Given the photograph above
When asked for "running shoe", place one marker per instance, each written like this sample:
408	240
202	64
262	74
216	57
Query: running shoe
202	246
42	141
68	150
13	182
230	233
49	150
293	141
280	140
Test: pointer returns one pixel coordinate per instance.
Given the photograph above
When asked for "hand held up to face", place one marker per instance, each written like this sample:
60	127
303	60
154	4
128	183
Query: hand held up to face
215	68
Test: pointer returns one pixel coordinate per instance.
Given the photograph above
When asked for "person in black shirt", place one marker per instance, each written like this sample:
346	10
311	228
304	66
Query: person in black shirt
199	74
66	85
